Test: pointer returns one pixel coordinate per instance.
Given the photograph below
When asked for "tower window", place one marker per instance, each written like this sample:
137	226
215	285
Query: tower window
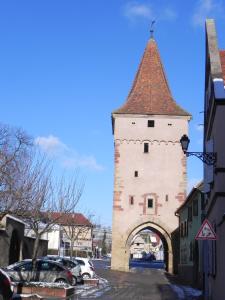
131	200
135	173
146	148
150	203
151	123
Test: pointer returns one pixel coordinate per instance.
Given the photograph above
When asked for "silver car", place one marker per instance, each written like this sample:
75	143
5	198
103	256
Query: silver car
72	265
46	271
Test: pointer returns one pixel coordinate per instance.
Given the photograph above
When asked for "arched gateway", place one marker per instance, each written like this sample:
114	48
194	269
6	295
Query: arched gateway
150	168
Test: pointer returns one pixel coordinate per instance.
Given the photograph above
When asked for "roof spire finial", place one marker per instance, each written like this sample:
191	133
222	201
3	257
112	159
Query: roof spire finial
152	30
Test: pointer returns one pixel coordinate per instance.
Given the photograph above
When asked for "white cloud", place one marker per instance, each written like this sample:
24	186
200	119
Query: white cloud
50	144
135	11
67	157
82	161
206	9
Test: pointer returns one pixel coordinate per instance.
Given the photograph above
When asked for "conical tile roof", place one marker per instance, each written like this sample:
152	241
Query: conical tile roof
150	93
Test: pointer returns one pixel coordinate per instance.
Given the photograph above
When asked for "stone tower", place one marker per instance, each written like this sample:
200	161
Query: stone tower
150	167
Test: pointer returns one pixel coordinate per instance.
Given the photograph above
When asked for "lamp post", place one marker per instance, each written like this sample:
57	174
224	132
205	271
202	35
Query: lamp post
208	158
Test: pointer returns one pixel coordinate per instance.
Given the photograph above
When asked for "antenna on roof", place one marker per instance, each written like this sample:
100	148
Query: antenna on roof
152	29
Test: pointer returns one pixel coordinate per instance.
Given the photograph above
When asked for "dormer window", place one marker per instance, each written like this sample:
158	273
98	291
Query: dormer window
151	123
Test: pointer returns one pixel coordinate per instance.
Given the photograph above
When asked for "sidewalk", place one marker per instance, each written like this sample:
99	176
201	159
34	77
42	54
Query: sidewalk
183	291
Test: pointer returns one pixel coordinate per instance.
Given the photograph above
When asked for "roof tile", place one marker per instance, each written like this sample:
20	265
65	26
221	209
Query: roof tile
69	219
222	59
150	92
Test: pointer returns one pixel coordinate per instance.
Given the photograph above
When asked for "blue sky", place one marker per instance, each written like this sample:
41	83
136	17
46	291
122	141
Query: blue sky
65	65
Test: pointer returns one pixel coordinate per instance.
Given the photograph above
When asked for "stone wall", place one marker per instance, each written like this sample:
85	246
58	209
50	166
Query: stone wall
14	246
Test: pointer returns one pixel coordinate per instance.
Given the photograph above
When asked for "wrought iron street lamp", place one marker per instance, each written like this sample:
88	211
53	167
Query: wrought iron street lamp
208	158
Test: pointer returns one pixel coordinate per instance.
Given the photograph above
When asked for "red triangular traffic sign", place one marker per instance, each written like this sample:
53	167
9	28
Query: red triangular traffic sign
206	232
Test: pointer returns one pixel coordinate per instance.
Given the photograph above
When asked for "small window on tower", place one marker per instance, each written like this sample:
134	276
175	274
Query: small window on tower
135	173
151	123
131	200
150	203
146	148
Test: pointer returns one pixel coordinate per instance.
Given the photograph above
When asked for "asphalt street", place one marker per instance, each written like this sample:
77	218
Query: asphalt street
145	281
138	284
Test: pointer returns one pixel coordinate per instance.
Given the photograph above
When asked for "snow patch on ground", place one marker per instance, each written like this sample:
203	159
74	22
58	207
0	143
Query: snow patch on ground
186	292
178	291
87	291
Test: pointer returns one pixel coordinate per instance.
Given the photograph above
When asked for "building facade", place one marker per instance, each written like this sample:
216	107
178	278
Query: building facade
150	167
191	215
214	175
72	235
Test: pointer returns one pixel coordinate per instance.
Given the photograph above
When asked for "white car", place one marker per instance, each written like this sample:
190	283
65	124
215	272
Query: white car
87	268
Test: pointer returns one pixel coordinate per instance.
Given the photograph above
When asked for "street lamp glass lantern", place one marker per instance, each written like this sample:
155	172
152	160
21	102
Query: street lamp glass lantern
184	142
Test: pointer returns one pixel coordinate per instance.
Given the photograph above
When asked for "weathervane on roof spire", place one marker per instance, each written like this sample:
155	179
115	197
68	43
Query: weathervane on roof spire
152	29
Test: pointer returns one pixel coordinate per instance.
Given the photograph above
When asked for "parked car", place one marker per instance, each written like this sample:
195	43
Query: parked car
87	267
72	265
6	290
46	271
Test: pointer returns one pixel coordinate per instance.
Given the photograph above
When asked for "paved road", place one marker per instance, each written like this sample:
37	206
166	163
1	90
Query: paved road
139	284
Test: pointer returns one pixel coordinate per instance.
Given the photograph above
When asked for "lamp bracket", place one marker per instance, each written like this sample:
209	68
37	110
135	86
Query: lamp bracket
208	158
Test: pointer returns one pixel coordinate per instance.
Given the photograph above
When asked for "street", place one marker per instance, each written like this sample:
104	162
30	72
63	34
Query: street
140	283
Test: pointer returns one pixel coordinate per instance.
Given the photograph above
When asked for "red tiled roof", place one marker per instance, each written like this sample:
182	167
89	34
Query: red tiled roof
150	93
69	218
222	59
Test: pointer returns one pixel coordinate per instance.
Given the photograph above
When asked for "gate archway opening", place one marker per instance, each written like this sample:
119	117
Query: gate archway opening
165	243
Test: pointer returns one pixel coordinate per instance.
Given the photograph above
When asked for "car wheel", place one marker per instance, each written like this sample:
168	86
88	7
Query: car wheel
60	280
86	276
74	282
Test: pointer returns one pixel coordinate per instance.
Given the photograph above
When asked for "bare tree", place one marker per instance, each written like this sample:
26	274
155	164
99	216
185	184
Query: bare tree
49	202
76	228
15	154
104	245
